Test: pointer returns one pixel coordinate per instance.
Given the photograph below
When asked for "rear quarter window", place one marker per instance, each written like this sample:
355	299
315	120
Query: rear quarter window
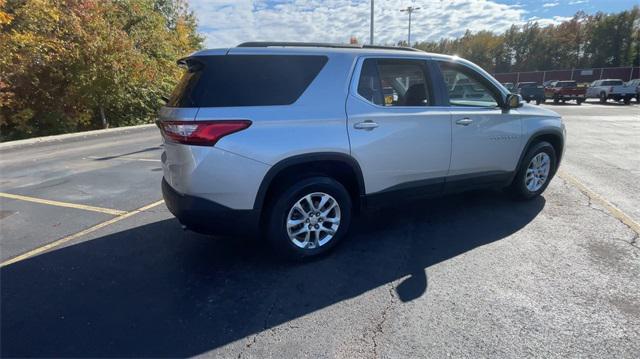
245	80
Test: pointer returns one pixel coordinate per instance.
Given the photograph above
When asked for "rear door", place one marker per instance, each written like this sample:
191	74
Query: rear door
486	140
401	140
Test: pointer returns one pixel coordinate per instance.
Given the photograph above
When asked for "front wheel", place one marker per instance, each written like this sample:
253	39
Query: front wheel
536	170
627	100
309	218
603	97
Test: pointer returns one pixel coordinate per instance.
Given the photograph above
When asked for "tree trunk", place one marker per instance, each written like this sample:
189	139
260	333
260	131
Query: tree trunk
105	123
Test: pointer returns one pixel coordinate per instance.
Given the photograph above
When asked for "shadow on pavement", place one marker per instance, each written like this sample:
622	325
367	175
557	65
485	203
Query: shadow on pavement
156	291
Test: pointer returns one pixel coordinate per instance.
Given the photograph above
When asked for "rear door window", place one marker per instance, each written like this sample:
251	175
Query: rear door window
394	82
245	80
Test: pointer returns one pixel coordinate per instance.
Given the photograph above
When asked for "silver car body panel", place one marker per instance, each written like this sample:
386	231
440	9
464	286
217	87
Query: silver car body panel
410	144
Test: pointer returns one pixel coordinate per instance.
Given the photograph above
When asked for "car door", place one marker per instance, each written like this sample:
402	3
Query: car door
486	139
401	141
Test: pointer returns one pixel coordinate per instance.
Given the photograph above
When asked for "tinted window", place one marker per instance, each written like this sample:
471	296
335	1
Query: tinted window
467	88
394	82
611	83
566	84
245	80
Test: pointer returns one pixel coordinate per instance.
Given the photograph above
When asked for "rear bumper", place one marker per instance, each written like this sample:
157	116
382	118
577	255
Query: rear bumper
205	216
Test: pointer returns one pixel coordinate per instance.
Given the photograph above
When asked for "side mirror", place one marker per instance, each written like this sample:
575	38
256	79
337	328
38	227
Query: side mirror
513	101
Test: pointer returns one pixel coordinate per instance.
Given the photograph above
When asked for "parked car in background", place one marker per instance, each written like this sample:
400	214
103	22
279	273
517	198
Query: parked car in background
635	84
508	85
296	156
565	91
611	89
530	91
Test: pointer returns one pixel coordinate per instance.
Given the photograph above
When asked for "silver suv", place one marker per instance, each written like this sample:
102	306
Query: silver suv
289	140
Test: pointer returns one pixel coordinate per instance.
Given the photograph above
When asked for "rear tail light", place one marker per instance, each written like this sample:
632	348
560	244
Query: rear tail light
200	133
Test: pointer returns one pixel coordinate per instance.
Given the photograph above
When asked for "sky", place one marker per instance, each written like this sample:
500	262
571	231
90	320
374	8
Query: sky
226	23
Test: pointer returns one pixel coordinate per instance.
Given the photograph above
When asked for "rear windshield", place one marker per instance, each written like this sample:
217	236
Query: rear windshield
612	83
567	84
245	80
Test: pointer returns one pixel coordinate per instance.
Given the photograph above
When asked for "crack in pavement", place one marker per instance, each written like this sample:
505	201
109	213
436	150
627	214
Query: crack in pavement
264	328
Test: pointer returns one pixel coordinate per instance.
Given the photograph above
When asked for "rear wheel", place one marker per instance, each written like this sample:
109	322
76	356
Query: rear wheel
556	101
627	100
603	97
538	101
535	172
309	218
580	101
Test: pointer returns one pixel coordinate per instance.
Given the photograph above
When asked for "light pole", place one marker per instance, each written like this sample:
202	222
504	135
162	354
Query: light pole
410	10
371	26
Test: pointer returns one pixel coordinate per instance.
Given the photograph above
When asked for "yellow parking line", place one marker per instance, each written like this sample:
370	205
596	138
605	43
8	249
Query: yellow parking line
114	212
615	211
59	242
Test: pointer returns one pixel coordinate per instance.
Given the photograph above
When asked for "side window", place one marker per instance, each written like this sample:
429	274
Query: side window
466	88
394	82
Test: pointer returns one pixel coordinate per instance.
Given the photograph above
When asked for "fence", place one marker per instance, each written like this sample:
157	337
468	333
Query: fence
579	75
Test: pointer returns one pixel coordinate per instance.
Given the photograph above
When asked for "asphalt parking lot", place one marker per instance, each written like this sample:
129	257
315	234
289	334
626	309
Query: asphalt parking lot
93	264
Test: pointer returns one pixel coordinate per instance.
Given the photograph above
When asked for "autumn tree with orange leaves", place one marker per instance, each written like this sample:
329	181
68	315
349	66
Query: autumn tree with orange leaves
69	65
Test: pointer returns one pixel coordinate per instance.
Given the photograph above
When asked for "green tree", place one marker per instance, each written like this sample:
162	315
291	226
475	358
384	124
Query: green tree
70	65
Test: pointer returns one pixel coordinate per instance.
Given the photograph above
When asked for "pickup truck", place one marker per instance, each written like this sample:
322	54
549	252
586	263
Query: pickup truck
529	91
636	85
565	91
613	89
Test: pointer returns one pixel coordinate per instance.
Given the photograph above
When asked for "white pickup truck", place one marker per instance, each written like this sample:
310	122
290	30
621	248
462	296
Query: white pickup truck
611	89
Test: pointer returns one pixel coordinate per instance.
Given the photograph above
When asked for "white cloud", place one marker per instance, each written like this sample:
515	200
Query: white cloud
577	2
226	23
550	4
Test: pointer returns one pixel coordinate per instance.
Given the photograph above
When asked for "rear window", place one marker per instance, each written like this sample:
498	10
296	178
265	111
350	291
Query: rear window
611	83
567	84
245	80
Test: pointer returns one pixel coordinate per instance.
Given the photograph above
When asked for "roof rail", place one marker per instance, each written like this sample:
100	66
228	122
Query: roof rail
321	44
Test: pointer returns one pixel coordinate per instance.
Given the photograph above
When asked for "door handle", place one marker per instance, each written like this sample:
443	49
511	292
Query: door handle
366	125
464	121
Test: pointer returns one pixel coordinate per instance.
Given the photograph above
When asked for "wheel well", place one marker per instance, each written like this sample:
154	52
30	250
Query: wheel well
336	169
554	140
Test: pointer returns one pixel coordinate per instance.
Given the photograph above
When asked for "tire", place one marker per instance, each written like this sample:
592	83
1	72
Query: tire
282	210
638	98
528	101
556	101
580	101
538	101
627	100
603	97
519	188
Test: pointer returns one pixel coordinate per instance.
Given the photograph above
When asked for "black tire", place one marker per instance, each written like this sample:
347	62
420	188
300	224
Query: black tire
528	100
580	101
556	101
538	101
603	97
518	188
638	98
627	100
276	232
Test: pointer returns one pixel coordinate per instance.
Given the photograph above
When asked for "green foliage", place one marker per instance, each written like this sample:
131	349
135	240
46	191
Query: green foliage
64	62
599	40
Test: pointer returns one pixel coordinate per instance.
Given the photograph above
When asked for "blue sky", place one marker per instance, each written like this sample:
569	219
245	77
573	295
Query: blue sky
226	23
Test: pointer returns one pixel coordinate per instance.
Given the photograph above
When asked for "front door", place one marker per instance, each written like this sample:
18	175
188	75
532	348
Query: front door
401	141
486	140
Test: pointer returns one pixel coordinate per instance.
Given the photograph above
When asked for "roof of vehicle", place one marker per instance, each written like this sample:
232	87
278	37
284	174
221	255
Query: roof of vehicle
610	80
317	48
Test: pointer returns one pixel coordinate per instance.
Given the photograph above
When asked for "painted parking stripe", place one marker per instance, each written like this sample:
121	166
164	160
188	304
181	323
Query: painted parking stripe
114	212
64	240
615	211
126	159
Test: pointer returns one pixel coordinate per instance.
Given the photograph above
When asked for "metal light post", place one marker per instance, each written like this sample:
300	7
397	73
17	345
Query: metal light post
371	24
410	10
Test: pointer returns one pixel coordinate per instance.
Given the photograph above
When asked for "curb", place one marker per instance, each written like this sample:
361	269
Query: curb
11	145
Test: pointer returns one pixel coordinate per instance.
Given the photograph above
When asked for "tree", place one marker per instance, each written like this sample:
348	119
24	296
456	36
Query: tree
69	65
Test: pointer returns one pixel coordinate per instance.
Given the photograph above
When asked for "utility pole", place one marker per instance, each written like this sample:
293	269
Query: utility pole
371	24
409	10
